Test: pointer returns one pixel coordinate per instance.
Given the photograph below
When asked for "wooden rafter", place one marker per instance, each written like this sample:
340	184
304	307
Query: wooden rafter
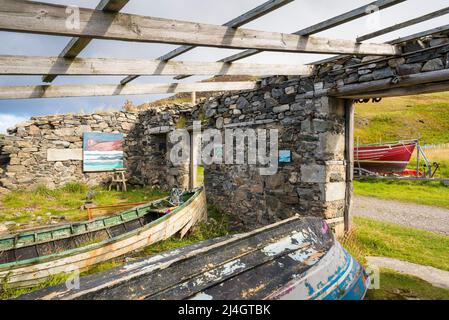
62	91
245	18
322	26
26	65
404	24
77	44
27	16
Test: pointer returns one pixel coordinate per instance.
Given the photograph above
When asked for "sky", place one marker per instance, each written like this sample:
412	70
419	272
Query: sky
288	19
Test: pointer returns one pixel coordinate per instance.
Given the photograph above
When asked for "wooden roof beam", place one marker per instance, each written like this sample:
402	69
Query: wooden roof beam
26	65
404	24
63	91
245	18
42	18
77	44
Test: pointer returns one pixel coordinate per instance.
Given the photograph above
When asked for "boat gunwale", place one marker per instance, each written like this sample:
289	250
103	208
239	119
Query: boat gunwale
43	259
389	143
69	226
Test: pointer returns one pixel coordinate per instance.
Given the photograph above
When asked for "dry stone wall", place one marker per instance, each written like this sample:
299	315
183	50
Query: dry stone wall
47	150
313	183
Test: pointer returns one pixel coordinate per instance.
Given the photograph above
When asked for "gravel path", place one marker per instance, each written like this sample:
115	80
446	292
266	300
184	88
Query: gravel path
436	277
412	215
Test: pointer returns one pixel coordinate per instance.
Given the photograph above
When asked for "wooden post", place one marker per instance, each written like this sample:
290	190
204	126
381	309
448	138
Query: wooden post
194	97
349	157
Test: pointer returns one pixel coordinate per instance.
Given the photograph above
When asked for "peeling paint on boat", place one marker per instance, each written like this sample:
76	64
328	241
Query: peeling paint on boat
202	296
292	242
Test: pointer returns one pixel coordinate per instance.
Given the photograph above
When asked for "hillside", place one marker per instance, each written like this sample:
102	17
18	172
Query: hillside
425	117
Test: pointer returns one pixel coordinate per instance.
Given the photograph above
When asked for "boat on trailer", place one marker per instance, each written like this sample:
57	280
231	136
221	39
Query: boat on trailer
384	158
30	257
297	258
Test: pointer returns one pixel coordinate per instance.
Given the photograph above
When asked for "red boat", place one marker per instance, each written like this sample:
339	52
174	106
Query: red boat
384	158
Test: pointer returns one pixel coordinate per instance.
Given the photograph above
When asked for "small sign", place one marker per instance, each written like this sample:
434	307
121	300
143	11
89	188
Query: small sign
285	156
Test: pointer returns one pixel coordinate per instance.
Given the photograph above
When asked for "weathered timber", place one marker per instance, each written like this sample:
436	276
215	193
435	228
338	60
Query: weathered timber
404	24
29	65
76	45
351	90
402	91
53	91
27	16
418	35
245	18
349	156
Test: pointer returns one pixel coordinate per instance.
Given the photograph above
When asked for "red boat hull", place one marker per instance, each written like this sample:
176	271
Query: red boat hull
389	158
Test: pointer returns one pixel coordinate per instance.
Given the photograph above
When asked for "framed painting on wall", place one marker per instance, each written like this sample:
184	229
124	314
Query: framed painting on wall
102	151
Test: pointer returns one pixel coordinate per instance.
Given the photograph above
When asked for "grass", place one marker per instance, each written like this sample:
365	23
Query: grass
24	207
421	192
200	175
425	117
396	286
374	238
52	280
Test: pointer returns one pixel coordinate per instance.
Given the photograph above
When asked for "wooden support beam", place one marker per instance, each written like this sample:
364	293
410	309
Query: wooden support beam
432	87
442	29
25	65
245	18
322	26
365	88
77	44
404	24
50	91
349	157
27	16
415	36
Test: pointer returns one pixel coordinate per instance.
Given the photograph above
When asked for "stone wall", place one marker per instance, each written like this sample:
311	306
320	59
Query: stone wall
151	165
31	143
47	150
311	128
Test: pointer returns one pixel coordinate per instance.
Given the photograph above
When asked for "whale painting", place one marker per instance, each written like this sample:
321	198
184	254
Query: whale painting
102	151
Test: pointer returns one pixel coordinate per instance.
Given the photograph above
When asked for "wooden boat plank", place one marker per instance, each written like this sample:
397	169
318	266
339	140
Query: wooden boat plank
191	268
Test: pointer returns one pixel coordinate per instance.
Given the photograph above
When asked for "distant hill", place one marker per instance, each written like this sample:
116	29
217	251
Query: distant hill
424	116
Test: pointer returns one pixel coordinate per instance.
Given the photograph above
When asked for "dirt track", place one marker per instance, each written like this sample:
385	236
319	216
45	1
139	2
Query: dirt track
429	218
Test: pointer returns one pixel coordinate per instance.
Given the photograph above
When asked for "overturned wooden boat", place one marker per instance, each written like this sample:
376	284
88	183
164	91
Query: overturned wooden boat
297	258
31	257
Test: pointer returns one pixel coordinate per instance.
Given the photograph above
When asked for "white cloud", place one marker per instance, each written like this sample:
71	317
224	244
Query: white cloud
9	120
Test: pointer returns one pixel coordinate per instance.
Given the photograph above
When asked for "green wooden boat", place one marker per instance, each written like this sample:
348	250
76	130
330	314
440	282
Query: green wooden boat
30	257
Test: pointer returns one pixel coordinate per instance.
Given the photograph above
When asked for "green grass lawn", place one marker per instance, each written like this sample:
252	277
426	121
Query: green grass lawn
374	238
25	207
396	286
425	117
428	193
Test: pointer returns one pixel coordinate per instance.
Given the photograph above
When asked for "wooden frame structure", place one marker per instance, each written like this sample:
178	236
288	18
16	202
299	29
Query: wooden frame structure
106	22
